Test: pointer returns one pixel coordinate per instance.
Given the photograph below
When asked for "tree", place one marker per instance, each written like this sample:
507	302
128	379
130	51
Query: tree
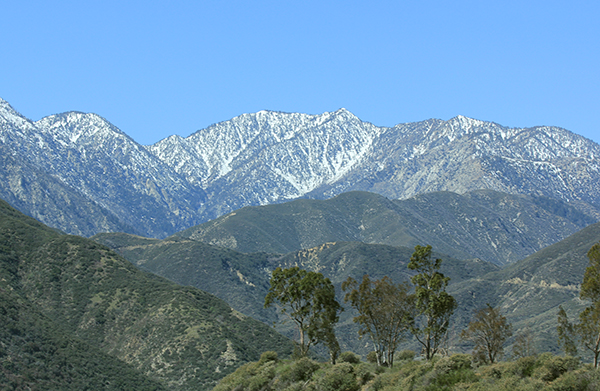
524	344
308	299
566	333
433	306
383	313
587	330
488	331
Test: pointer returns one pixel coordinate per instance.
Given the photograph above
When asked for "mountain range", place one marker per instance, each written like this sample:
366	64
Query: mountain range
511	211
81	174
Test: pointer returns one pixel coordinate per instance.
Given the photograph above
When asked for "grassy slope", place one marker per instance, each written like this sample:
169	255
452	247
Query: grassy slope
181	336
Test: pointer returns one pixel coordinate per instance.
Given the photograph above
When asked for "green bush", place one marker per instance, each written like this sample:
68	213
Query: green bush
579	380
268	356
302	370
406	355
552	367
363	373
453	363
339	377
349	357
372	357
524	366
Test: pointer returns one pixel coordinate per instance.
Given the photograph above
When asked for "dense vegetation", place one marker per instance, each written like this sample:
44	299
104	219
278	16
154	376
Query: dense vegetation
54	285
457	372
37	354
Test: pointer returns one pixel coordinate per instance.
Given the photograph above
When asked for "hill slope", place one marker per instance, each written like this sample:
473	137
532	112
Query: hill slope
37	354
243	279
180	336
527	291
530	291
493	226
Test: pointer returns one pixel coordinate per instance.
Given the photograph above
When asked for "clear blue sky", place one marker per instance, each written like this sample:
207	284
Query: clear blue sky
159	68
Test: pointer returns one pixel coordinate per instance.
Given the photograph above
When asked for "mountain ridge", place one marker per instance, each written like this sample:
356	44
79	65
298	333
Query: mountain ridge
497	227
271	157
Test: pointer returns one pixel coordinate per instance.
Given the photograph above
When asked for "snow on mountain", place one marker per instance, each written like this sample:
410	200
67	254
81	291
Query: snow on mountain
270	157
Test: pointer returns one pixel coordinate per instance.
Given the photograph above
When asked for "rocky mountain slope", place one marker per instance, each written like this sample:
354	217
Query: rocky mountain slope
530	291
81	293
270	157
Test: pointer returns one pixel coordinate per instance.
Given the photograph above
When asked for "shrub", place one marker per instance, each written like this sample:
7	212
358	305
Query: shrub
349	357
579	380
524	366
552	367
453	363
363	373
268	356
302	370
339	377
372	357
406	355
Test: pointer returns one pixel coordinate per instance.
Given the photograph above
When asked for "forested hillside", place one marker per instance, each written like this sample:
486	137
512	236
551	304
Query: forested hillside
55	285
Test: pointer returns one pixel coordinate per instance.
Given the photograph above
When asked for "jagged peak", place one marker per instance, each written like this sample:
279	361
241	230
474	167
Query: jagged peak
73	125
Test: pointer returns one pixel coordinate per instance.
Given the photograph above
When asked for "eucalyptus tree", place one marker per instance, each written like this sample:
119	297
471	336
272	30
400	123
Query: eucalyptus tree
308	299
384	313
433	306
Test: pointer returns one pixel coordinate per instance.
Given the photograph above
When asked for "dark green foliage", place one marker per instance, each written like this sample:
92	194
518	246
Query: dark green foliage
349	357
181	337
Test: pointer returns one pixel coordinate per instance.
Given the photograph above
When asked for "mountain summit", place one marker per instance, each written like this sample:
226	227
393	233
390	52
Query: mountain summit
77	160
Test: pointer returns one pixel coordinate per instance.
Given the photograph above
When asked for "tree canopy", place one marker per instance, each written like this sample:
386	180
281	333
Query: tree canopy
487	331
308	299
384	313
